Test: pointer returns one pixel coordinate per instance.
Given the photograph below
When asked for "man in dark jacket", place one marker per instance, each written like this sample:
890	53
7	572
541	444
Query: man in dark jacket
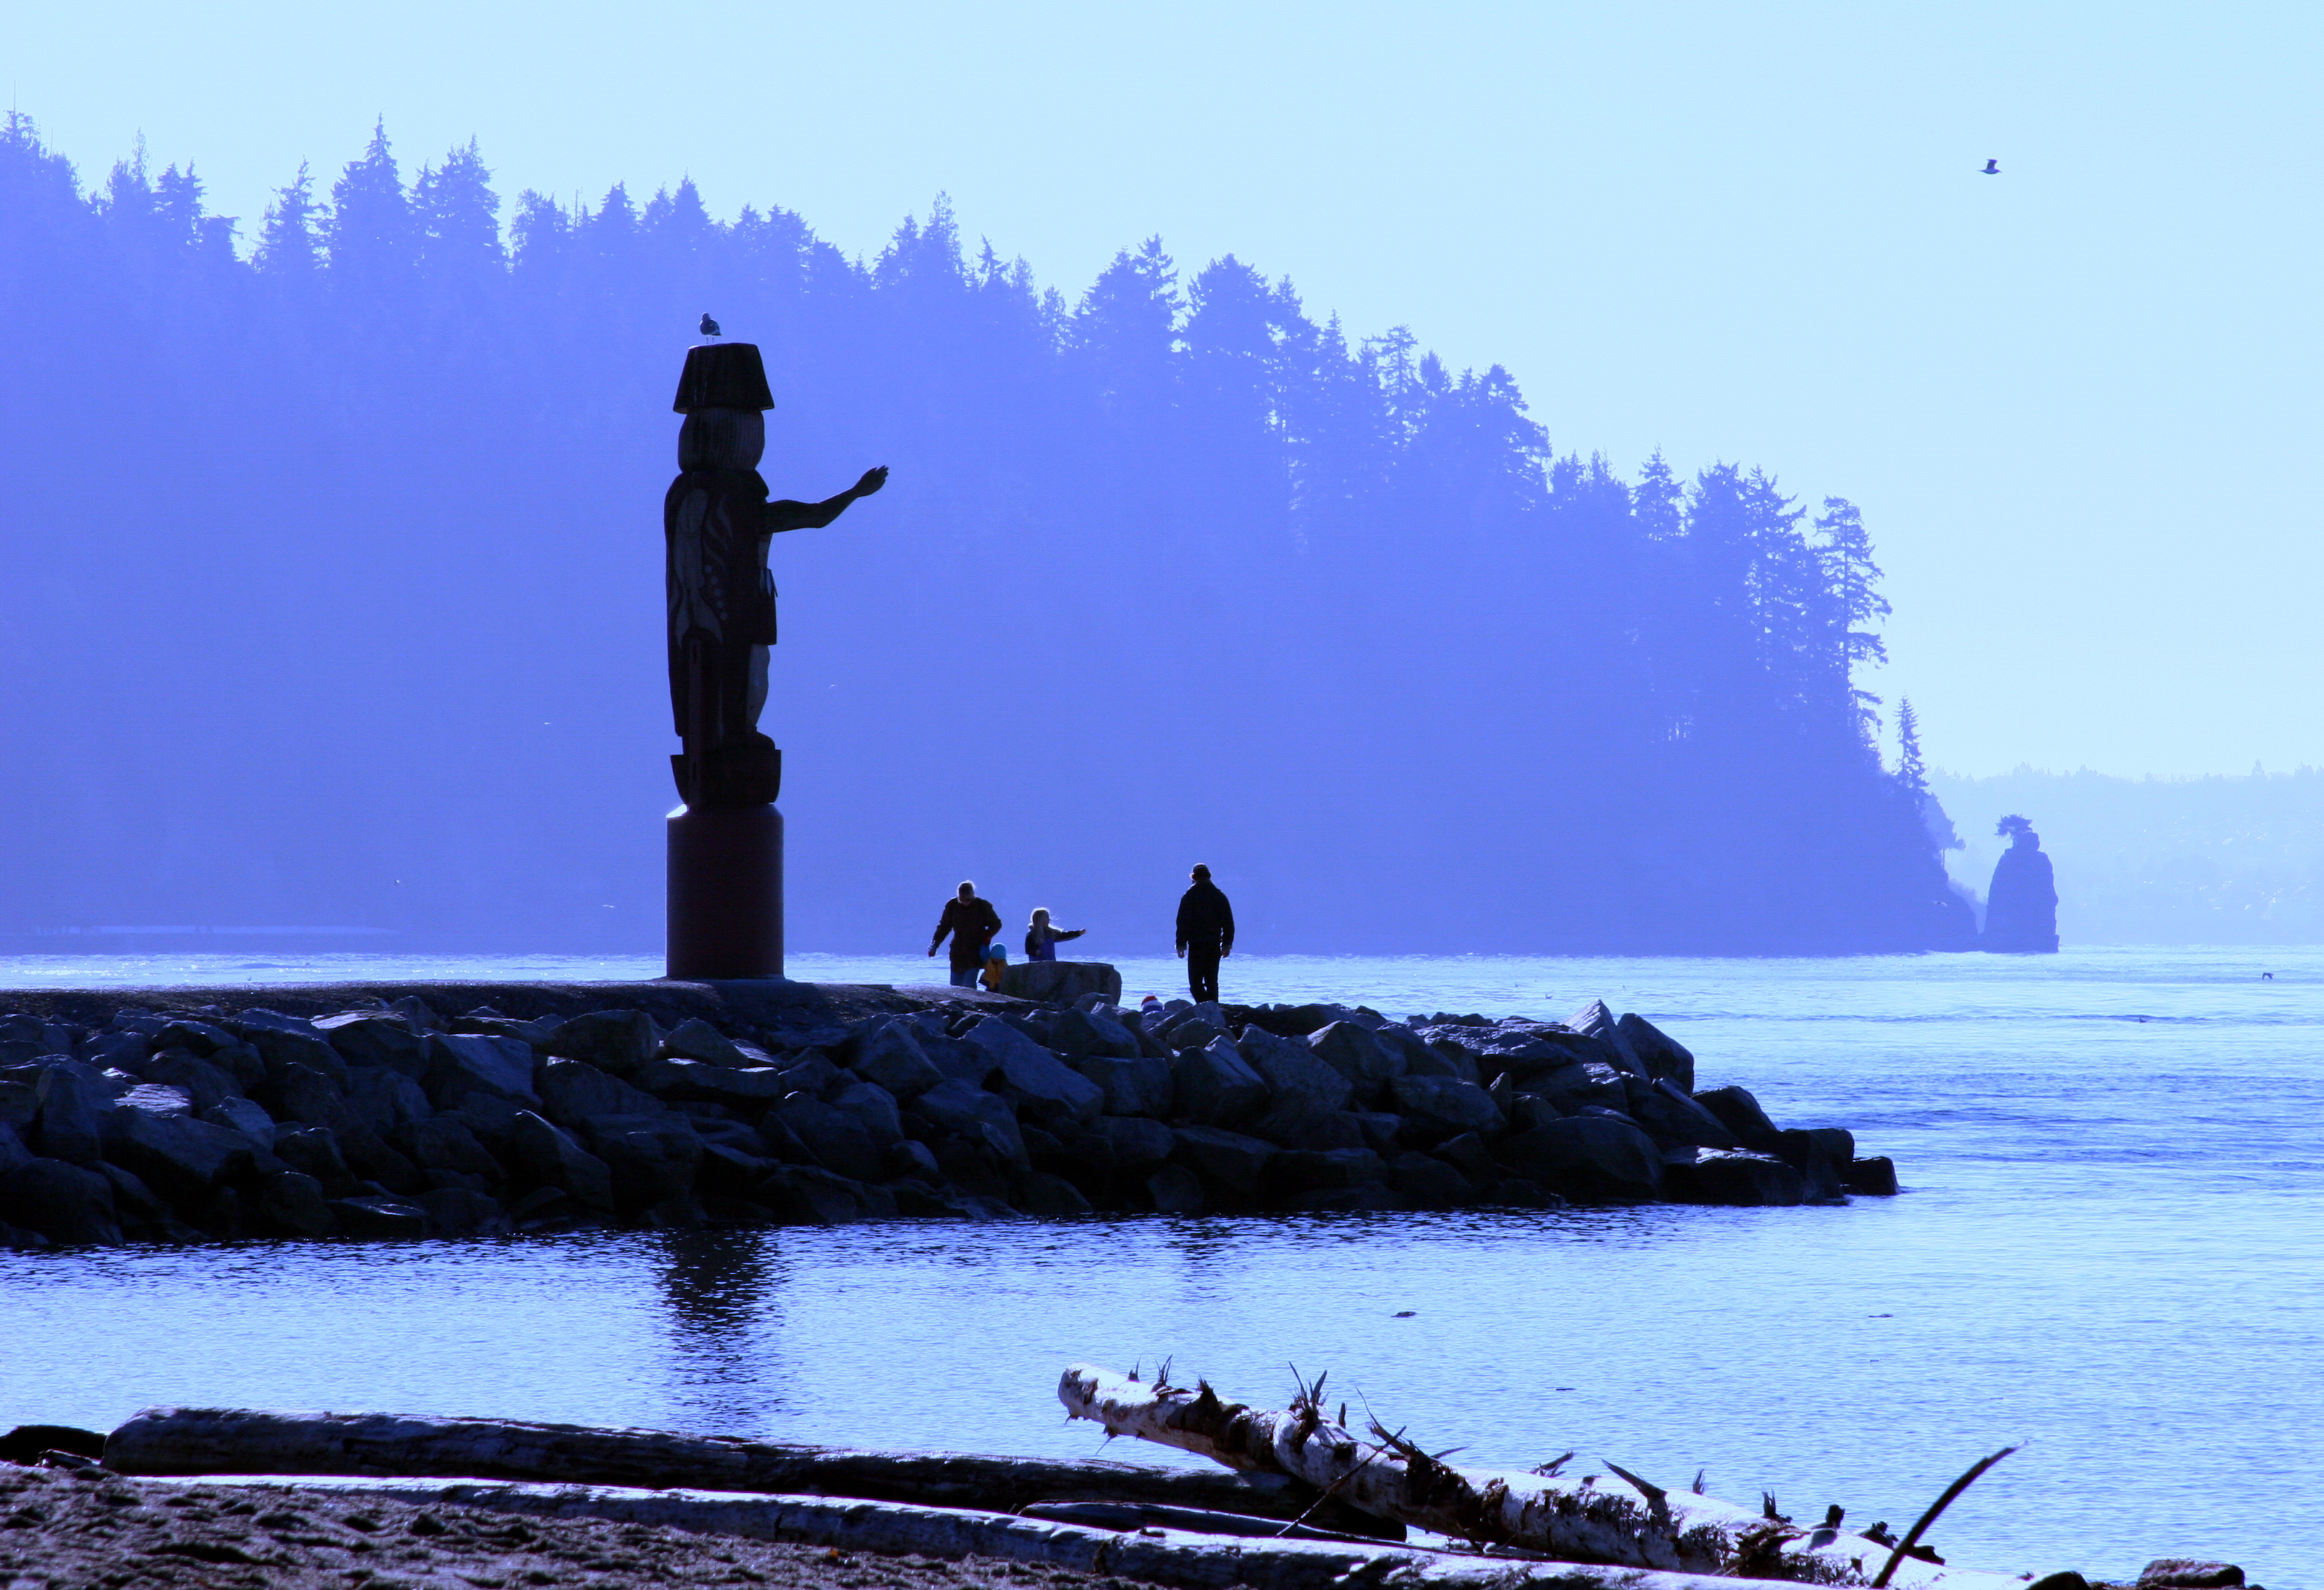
1205	933
972	922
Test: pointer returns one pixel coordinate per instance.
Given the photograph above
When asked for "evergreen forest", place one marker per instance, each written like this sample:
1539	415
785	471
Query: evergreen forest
332	557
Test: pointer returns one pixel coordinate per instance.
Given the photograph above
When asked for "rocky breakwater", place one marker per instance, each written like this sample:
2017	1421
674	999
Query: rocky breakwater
392	1119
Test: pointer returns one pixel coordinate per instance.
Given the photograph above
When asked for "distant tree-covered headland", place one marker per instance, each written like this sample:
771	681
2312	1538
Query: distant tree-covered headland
334	583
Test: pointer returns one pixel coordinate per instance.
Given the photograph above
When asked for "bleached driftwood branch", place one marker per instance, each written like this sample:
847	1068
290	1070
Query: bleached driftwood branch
240	1440
1175	1558
1610	1518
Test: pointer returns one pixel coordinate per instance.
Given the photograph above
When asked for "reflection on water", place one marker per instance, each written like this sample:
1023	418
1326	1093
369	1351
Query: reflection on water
721	1291
2110	1250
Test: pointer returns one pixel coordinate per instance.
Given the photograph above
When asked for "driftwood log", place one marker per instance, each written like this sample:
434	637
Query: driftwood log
244	1441
1603	1515
1158	1557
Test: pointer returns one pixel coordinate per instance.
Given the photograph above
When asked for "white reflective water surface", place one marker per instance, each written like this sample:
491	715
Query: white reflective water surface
2111	1248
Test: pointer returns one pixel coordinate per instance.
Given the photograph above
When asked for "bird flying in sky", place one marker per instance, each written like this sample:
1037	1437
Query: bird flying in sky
709	326
1992	169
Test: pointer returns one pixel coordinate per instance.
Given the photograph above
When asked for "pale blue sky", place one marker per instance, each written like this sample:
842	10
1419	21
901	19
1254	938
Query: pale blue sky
2077	402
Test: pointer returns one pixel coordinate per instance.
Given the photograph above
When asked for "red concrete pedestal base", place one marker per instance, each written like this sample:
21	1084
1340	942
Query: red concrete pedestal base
725	892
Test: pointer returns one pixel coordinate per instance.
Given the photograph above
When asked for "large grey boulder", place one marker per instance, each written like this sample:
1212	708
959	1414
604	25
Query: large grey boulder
1874	1177
1147	1030
1176	1189
441	1143
839	1139
13	1151
1437	1107
1214	1088
1581	1083
373	1158
1740	1114
282	1046
118	1051
1352	1050
802	1195
807	1073
245	1116
314	1150
371	1216
157	1098
463	1065
652	1157
1077	1034
382	1100
1589	1157
1419	1059
552	1157
203	1081
695	1039
1136	1145
71	1107
20	1100
960	1110
203	1038
1428	1181
1060	981
1665	1058
874	1106
1822	1155
132	1201
890	1055
294	1202
1229	1163
571	1091
1672	1117
460	1211
1142	1085
1048	1197
232	1056
1041	1086
1595	1021
1736	1177
67	1204
1295	1171
180	1157
748	1088
1192	1030
1297	1124
1294	1074
374	1038
615	1041
300	1093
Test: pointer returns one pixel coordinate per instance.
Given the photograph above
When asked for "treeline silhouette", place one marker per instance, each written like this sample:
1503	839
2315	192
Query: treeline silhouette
333	581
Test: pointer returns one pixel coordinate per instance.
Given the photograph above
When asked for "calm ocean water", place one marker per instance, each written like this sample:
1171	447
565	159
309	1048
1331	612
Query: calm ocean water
2111	1248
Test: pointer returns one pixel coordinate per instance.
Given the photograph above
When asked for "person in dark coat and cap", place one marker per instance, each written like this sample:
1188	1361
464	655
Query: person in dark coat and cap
1205	933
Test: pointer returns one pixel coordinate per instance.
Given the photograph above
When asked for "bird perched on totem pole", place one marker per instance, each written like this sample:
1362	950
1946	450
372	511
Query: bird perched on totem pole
709	326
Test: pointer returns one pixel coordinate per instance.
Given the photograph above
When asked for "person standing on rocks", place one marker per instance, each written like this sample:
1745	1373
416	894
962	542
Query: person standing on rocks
971	923
1041	939
1205	933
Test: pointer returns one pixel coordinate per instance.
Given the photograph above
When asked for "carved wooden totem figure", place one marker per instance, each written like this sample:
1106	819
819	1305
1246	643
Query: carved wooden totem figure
717	521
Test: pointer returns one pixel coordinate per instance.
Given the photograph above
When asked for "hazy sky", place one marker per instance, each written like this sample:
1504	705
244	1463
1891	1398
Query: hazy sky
2077	402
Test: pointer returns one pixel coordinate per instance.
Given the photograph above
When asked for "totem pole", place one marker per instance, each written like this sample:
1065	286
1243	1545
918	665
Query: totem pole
725	898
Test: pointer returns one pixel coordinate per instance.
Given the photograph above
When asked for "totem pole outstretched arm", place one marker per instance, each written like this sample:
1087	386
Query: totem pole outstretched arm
789	515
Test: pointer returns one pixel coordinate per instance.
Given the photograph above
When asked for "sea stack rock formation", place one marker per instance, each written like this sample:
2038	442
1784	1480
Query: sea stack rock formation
2021	910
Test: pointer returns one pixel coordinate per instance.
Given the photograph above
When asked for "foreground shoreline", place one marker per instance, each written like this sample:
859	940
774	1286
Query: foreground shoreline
450	1109
268	1500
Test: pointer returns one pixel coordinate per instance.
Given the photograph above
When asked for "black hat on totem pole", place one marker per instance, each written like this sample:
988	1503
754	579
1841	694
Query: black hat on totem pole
722	375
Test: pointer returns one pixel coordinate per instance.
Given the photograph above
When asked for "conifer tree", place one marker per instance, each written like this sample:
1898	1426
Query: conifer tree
290	243
370	233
